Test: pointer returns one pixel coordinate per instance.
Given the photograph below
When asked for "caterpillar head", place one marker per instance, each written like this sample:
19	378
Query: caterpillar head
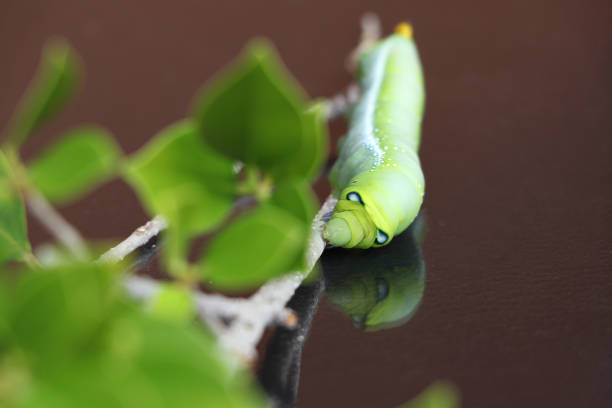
356	222
375	206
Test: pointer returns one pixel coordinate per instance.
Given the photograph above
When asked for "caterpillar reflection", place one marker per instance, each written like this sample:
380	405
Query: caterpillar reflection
378	289
378	177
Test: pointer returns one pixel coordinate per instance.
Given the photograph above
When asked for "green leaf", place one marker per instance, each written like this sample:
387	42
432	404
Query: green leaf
307	162
178	176
75	165
52	87
14	244
175	303
297	199
59	310
80	343
257	246
440	394
178	365
253	112
4	302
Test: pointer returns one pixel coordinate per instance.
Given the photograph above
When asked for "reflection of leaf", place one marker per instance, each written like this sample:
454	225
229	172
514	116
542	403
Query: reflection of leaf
76	164
14	244
438	395
49	91
179	177
257	246
255	113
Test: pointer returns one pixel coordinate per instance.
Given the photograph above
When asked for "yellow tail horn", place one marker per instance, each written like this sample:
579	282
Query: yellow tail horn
404	29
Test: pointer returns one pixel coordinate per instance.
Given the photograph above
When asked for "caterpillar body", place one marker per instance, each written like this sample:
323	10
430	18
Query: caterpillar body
378	178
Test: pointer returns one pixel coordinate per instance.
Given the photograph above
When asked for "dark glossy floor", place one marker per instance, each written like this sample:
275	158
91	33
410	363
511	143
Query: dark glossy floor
517	247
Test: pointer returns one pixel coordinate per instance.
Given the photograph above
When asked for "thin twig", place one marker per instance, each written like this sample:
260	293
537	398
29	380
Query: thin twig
138	238
337	105
371	32
150	230
53	221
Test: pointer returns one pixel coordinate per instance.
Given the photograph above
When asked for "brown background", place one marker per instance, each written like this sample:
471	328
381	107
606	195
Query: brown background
516	151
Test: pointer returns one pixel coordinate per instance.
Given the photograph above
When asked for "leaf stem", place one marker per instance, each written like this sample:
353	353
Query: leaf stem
263	188
56	224
44	212
30	260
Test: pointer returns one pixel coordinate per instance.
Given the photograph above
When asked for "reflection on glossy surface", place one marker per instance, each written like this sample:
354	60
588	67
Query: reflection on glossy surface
381	287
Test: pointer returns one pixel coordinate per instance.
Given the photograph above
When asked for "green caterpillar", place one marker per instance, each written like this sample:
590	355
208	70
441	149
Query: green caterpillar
378	177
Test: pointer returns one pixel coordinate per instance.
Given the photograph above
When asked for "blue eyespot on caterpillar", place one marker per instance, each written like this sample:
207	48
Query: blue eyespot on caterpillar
353	196
381	237
378	177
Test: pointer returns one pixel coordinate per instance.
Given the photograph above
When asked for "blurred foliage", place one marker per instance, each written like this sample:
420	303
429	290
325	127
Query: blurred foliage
438	395
315	144
255	112
14	244
235	260
253	116
296	199
178	176
76	164
173	302
68	338
281	226
181	178
56	80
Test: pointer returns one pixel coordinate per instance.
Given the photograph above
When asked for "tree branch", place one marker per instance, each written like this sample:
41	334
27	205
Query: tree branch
138	238
337	105
53	221
371	31
267	305
238	323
